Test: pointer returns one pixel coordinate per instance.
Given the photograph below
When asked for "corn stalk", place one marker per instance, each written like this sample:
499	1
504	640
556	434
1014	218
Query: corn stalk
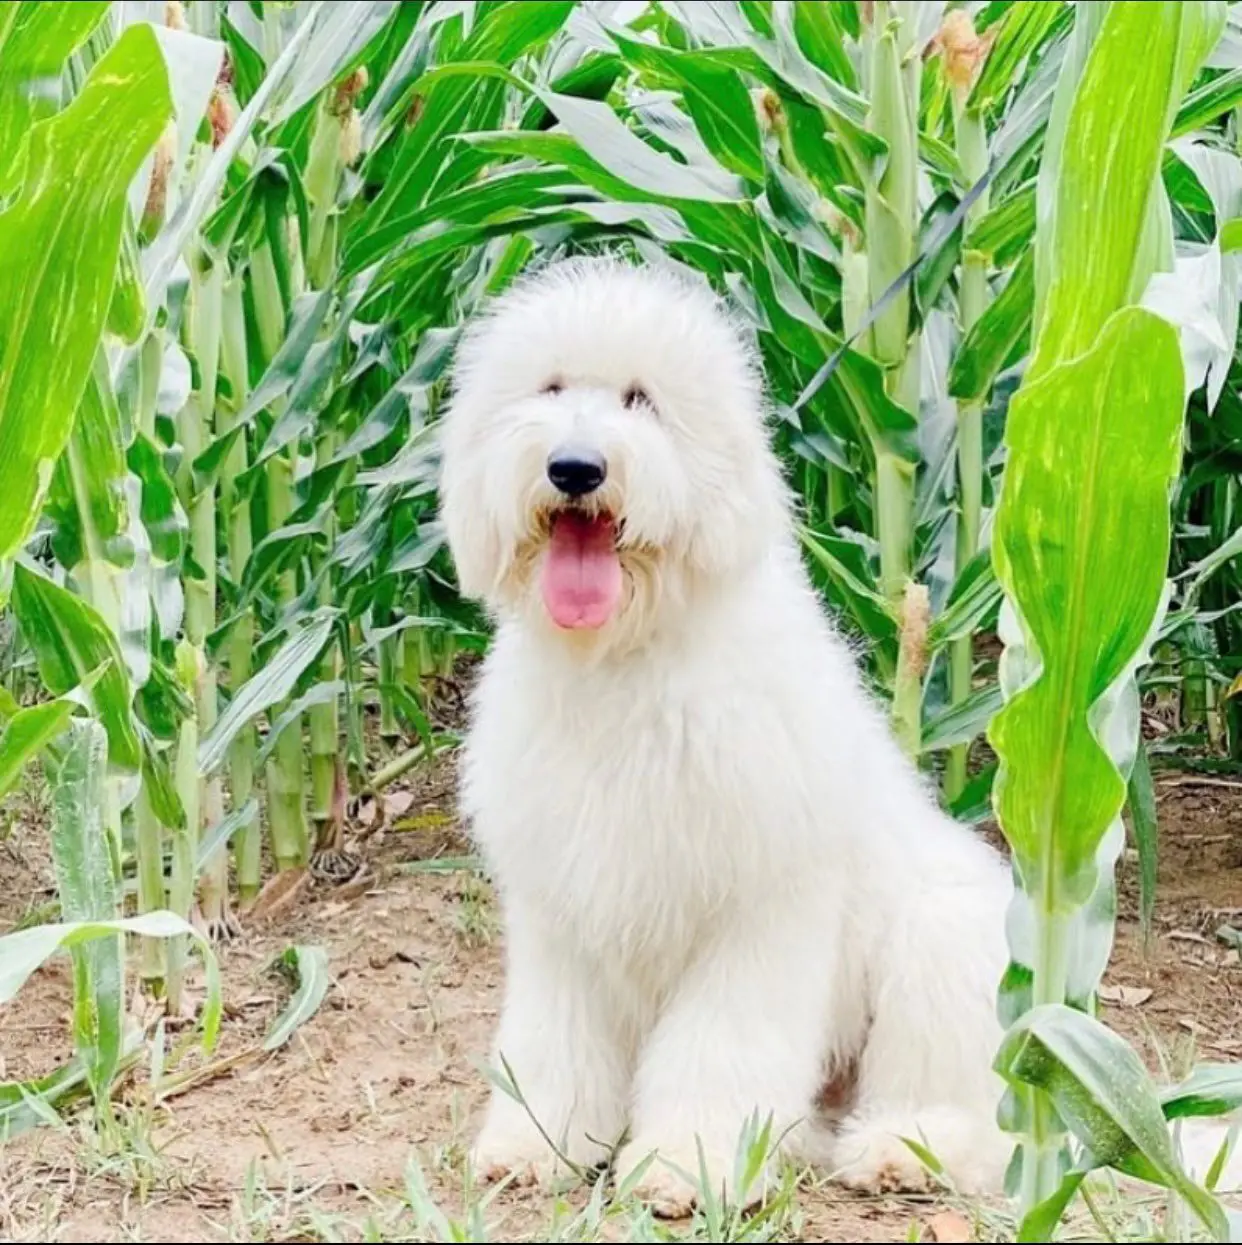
239	543
334	146
893	75
1081	549
286	806
196	428
963	50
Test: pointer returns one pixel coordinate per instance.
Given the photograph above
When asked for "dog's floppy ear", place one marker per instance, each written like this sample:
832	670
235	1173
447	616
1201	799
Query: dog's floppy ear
743	505
469	527
737	530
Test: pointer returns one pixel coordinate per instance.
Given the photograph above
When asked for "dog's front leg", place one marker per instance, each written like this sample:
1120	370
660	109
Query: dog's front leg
742	1040
562	1037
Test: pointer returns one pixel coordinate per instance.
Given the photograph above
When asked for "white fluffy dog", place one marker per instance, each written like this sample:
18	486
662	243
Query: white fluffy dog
723	886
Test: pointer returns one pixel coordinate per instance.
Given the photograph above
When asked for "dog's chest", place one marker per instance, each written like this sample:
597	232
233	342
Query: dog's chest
631	817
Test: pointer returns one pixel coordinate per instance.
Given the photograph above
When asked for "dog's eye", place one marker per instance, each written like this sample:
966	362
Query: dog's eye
636	395
552	387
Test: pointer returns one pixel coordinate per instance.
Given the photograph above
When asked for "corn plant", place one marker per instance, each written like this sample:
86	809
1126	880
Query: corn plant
227	440
1081	550
60	240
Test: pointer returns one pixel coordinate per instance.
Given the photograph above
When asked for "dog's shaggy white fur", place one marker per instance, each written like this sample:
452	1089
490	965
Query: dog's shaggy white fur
723	886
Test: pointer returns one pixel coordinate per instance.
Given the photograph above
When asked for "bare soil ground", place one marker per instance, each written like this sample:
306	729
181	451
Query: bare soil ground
315	1141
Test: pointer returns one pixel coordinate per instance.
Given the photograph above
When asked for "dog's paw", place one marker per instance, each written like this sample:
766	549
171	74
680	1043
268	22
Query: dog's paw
525	1159
874	1159
669	1193
869	1153
671	1183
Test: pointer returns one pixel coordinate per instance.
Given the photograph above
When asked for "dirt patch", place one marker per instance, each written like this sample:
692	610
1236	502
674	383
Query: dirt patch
314	1141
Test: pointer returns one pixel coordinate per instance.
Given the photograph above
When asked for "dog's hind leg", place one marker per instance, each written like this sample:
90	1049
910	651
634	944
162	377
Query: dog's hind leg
563	1036
926	1067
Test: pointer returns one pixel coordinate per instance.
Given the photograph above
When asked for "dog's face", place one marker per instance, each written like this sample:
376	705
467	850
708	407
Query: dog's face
604	453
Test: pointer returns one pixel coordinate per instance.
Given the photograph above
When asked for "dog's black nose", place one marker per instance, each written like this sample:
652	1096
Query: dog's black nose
576	472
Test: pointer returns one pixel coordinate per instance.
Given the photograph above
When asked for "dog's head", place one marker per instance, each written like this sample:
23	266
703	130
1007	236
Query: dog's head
604	452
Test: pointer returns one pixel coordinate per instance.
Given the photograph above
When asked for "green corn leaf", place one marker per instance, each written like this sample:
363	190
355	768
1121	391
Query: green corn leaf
1212	100
416	554
1210	1089
319	694
59	242
284	548
843	563
70	642
724	224
309	968
95	457
307	318
1040	1223
34	45
339	35
452	106
820	31
88	885
434	240
715	97
975	803
1023	30
160	258
384	112
996	336
780	61
23	952
271	684
1199	572
855	383
220	834
310	383
963	722
1103	1092
27	1104
489	199
113	567
1004	232
975	595
724	115
411	712
1094	447
158	783
162	514
29	730
618	149
409	395
1092	273
163	703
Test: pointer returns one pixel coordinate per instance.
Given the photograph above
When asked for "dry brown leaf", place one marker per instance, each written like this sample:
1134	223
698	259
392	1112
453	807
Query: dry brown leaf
948	1225
397	802
1126	996
278	893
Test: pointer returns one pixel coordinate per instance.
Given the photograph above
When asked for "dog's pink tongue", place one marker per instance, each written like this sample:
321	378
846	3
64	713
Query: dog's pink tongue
581	577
